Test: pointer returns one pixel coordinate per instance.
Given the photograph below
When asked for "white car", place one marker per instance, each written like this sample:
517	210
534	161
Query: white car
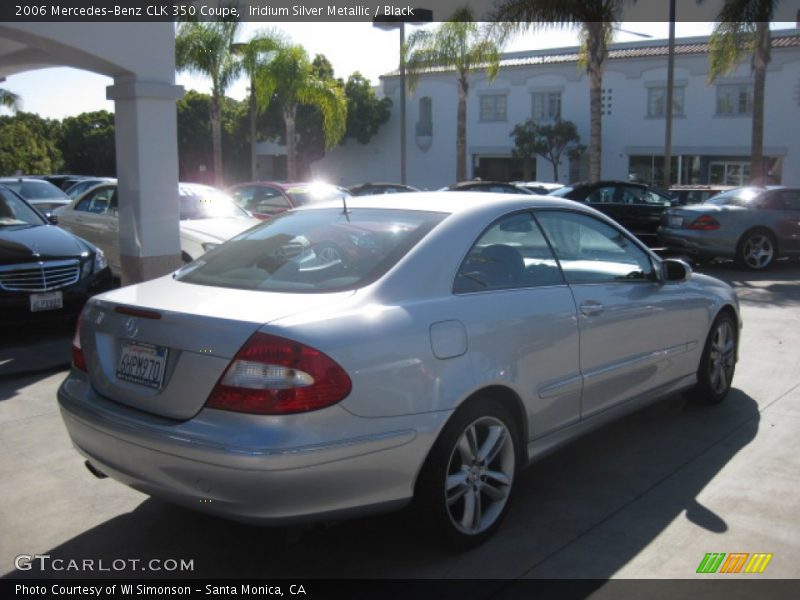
208	218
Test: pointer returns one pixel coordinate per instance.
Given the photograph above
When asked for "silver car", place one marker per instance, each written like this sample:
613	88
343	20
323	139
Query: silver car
752	225
450	340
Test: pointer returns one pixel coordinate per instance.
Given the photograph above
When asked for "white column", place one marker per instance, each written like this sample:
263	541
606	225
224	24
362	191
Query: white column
147	169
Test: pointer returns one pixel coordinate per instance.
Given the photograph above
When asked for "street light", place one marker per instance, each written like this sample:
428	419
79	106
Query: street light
386	22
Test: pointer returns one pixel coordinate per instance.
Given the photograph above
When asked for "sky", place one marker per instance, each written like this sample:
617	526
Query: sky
350	47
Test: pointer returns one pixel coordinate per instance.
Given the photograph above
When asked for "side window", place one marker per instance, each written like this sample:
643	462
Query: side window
654	199
590	250
98	202
512	253
243	196
603	195
792	199
629	194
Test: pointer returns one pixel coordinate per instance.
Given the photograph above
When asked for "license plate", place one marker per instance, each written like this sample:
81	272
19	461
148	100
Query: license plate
675	221
47	301
142	363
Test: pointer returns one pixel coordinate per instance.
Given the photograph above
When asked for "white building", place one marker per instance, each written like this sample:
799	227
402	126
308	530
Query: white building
711	125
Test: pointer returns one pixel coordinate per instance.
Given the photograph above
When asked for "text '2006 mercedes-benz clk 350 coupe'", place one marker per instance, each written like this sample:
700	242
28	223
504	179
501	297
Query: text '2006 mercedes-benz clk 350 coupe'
360	355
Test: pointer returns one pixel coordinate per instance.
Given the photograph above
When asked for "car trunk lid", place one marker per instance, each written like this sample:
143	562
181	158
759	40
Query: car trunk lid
161	346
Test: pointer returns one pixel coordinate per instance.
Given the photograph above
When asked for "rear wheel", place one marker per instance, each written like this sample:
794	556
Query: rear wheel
465	486
718	362
757	250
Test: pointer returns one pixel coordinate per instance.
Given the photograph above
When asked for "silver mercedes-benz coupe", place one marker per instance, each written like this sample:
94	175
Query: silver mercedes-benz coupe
350	358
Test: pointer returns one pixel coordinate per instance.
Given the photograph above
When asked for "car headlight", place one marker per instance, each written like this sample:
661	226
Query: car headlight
209	246
100	261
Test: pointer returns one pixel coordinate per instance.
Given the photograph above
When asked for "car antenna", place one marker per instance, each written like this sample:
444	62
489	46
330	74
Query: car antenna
345	212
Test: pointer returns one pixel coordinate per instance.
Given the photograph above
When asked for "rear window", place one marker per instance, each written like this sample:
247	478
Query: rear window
205	202
313	251
738	197
36	190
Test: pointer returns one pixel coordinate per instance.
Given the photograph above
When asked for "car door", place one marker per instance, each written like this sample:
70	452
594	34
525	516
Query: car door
785	208
94	218
632	327
521	321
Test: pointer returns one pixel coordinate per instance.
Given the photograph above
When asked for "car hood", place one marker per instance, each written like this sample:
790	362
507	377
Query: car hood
37	242
215	230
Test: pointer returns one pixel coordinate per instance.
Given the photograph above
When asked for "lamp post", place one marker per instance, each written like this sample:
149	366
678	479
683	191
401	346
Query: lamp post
670	93
419	15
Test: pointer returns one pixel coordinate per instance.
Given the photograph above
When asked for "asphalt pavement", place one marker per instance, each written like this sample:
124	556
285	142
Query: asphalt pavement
646	497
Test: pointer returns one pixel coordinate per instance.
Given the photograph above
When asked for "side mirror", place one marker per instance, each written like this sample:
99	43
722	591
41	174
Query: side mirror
51	218
674	270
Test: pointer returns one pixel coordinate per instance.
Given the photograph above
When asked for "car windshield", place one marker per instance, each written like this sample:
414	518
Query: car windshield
313	193
205	202
36	190
737	197
15	213
312	251
562	191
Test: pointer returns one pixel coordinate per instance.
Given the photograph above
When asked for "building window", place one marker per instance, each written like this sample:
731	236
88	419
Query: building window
493	107
606	95
546	106
735	99
729	173
657	101
425	122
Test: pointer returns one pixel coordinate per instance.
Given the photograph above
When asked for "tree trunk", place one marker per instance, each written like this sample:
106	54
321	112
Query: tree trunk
291	150
527	169
461	129
596	58
761	56
253	141
216	138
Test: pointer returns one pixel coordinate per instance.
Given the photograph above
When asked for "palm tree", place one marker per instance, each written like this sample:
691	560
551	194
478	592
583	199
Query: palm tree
459	44
742	30
596	21
9	99
255	56
207	49
291	75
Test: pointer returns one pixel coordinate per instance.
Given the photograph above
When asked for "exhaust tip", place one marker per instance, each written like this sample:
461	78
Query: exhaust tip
94	470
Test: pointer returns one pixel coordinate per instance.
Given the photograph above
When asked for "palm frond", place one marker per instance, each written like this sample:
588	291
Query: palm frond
10	100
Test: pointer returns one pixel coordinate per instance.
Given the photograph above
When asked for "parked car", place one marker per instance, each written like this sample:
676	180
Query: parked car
539	187
62	182
45	272
683	195
265	383
265	199
635	206
207	218
753	225
494	187
79	187
42	195
371	189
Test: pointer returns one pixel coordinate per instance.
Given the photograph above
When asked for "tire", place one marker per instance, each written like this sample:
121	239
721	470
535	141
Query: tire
717	363
757	250
465	487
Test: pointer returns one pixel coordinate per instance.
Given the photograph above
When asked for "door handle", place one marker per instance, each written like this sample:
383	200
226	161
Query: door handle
590	309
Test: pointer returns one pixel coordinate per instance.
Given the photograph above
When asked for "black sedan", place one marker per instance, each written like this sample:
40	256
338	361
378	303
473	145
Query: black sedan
635	206
492	187
46	273
371	189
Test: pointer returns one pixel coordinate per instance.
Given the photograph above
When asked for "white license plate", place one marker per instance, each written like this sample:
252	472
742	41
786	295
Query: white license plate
142	363
46	301
675	221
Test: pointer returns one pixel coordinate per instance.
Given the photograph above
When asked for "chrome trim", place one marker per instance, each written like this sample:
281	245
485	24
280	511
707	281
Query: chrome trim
41	276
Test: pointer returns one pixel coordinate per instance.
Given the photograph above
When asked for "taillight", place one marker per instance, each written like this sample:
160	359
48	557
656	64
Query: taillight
78	360
271	375
704	223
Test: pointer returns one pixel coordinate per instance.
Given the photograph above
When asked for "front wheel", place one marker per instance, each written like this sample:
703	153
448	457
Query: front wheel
757	250
717	363
465	486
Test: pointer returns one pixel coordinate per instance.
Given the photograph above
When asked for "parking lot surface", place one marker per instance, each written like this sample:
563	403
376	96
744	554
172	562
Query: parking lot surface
646	497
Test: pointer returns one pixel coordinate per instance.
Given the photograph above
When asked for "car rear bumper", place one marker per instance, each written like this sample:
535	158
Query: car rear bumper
290	474
697	242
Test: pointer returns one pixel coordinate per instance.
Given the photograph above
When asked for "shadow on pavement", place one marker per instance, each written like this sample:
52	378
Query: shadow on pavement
777	286
584	511
33	349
